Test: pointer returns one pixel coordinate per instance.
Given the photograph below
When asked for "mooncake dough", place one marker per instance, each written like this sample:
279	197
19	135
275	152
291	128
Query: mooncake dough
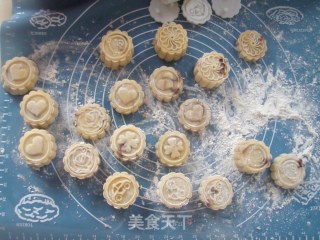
194	114
163	12
126	96
226	8
92	121
19	75
251	45
173	149
116	49
252	156
81	160
211	70
215	192
174	190
38	109
196	11
171	41
121	190
166	84
288	171
37	148
128	143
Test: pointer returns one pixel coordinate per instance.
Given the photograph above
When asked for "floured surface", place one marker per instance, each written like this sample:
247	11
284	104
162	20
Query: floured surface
274	100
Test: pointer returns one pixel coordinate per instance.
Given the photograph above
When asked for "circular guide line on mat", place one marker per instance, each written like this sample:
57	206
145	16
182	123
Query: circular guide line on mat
187	54
133	69
63	184
87	89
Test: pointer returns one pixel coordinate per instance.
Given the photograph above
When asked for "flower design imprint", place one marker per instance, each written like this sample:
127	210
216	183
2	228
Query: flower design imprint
128	142
81	160
91	119
172	37
174	147
214	67
253	43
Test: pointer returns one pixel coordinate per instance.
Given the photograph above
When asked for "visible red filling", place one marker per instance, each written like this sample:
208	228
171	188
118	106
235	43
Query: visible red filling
223	68
300	163
121	150
261	38
214	191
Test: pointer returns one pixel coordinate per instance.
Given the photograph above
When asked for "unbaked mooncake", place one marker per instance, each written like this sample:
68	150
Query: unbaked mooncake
38	109
121	190
215	192
251	45
288	171
171	41
211	70
19	75
128	143
173	149
194	114
81	160
252	156
92	121
174	190
37	147
116	49
166	83
126	96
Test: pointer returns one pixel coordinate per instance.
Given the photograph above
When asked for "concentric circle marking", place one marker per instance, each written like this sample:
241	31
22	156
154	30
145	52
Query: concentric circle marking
109	77
148	58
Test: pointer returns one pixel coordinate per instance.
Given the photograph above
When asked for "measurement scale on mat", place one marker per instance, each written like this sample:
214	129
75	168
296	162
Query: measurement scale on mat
67	236
4	154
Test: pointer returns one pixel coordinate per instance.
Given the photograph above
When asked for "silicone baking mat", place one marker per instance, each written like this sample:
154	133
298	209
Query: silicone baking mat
274	100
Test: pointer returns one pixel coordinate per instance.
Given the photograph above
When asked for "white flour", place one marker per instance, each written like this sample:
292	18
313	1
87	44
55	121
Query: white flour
265	100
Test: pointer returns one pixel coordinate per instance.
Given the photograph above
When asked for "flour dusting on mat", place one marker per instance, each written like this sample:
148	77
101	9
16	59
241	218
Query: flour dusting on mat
267	99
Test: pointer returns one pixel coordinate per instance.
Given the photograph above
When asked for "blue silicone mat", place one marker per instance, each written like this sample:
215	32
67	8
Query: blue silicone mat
274	100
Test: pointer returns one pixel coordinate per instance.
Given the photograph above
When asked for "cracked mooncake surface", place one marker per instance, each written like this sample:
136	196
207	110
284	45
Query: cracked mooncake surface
194	114
252	156
211	70
166	84
215	192
288	171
